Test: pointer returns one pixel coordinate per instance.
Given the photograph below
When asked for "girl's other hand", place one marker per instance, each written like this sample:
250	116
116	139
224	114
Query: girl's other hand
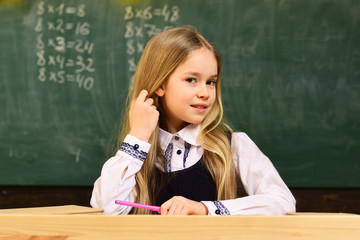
143	117
183	206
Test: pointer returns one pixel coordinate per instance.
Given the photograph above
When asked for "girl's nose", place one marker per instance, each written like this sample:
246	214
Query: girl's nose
203	91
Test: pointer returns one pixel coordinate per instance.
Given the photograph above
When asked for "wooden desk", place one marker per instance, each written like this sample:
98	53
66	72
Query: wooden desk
90	226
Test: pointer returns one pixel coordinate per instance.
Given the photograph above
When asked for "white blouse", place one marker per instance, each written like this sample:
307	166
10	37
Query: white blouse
268	194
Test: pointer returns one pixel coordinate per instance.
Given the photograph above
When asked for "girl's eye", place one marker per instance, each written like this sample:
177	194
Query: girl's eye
211	82
191	80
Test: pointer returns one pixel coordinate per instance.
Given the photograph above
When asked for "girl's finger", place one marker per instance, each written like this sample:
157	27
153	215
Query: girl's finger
165	207
142	95
149	101
184	211
179	209
173	209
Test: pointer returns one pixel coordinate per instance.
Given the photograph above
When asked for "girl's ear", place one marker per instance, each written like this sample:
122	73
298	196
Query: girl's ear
160	92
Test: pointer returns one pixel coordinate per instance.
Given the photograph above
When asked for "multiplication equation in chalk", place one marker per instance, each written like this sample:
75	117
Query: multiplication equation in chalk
63	49
143	23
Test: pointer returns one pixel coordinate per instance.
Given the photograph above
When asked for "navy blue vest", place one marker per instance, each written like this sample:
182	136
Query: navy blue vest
194	183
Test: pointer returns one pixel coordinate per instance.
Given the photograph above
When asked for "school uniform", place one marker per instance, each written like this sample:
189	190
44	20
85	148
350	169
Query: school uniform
265	191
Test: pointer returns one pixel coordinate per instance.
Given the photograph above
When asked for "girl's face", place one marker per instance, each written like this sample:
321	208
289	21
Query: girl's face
190	91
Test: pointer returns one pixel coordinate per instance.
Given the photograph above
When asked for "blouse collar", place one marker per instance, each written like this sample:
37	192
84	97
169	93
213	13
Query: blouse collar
188	134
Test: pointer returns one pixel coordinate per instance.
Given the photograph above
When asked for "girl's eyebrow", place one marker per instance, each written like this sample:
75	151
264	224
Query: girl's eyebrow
198	74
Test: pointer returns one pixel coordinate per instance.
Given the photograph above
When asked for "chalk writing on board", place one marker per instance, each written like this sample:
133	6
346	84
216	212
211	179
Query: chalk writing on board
139	28
22	152
63	51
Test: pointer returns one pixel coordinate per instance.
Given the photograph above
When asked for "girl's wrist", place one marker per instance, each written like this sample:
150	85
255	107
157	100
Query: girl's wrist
206	211
141	137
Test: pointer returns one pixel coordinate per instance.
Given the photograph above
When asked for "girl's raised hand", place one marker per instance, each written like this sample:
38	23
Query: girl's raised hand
183	206
143	117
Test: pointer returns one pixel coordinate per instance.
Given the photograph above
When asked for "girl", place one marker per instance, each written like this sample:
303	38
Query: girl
176	151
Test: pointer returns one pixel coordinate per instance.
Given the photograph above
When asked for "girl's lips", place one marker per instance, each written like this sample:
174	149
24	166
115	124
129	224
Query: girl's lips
200	107
196	106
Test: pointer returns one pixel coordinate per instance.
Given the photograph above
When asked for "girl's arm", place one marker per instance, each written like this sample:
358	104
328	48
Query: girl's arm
268	194
117	178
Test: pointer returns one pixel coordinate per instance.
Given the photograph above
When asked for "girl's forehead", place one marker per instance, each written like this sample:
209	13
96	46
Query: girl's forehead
200	60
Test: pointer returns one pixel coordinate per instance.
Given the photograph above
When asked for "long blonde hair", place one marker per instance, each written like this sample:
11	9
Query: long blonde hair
163	53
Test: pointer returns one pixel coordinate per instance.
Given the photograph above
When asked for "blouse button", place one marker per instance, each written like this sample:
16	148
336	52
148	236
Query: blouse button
177	138
136	146
217	211
178	152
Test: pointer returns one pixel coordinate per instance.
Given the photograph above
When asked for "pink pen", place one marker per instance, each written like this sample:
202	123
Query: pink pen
138	205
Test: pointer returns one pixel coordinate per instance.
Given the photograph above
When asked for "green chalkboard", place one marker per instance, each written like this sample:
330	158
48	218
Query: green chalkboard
291	81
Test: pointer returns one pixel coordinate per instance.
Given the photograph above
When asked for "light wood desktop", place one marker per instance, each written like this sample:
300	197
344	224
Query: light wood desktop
75	223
